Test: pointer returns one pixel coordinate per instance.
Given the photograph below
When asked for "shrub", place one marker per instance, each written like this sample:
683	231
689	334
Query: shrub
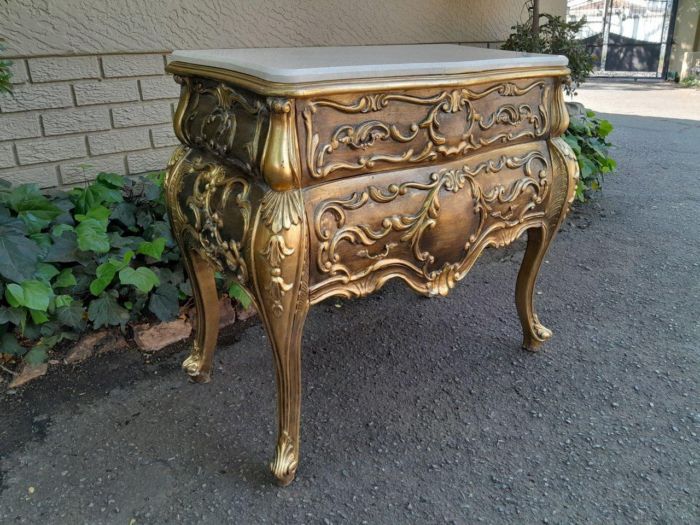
556	37
691	81
587	136
98	255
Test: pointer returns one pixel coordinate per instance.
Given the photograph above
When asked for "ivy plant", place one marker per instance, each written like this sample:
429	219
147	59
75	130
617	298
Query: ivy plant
587	136
96	256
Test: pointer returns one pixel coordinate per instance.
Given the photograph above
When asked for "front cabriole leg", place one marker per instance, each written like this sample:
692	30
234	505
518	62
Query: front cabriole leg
281	288
280	276
564	180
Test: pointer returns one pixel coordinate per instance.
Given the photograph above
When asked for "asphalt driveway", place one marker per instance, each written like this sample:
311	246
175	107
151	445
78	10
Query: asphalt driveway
416	410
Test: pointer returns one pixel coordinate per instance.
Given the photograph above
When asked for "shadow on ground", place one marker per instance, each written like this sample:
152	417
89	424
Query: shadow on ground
418	410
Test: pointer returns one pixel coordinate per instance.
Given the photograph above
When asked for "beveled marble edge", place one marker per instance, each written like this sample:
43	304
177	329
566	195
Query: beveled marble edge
318	64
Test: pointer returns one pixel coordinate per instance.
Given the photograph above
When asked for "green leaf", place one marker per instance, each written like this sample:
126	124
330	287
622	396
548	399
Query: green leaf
9	345
152	249
16	315
45	272
36	355
185	288
14	295
106	271
144	218
38	317
32	294
63	300
65	279
42	239
72	316
92	236
94	195
19	255
64	249
105	275
144	279
235	291
32	207
587	167
573	143
604	128
58	230
125	212
98	212
111	179
106	311
164	302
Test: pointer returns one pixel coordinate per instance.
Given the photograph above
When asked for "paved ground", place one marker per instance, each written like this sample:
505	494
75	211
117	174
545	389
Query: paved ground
420	411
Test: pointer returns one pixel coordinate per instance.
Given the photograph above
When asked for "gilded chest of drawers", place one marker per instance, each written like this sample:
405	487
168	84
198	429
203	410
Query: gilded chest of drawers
309	173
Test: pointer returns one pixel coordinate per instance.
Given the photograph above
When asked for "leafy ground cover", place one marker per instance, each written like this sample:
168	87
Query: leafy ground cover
96	256
587	135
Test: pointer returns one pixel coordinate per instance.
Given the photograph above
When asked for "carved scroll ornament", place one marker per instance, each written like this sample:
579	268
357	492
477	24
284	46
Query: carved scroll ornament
423	139
217	193
500	211
226	121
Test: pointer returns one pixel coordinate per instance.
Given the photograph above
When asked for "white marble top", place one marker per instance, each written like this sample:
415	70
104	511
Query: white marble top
311	64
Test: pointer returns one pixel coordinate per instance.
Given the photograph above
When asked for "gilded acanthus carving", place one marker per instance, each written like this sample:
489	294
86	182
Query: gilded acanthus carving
424	138
285	463
279	211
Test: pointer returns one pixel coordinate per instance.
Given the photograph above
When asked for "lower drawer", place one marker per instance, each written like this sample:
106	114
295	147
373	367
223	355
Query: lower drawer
425	225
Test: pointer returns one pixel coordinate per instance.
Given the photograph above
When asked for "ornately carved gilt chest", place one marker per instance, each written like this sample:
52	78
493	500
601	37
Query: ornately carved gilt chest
314	172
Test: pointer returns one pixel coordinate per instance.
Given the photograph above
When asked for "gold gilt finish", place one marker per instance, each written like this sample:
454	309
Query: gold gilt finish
305	191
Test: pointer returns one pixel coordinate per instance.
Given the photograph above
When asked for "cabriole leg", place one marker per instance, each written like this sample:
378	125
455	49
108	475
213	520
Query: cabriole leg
565	177
199	364
286	347
534	333
281	287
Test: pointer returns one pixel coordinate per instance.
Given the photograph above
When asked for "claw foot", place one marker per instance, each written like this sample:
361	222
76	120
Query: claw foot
538	335
284	467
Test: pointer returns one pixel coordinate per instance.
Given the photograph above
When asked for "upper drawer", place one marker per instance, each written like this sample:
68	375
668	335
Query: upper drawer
342	135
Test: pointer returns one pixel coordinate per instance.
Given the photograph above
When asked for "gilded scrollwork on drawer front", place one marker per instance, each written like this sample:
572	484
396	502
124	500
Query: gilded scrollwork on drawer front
414	128
345	236
229	122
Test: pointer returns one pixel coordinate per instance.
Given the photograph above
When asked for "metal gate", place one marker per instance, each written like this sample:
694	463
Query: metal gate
626	37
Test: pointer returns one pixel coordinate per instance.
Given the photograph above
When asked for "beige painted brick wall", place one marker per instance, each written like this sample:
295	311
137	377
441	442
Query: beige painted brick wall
70	118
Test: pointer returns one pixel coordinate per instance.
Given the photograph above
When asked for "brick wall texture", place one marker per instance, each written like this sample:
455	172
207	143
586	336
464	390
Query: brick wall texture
70	118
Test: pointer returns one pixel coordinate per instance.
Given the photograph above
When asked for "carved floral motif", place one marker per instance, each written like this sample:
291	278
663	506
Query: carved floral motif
279	211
